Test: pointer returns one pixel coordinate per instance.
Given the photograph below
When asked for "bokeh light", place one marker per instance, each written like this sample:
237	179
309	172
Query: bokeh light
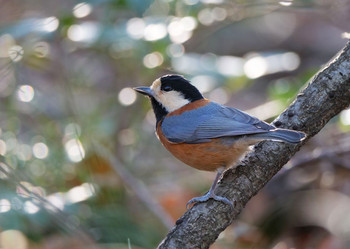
74	150
258	65
153	60
192	63
57	200
204	83
230	65
40	150
80	193
30	207
289	61
175	50
25	93
86	32
5	205
345	35
49	24
13	239
11	141
286	3
212	1
16	53
82	10
136	27
42	49
127	96
219	14
3	147
155	31
206	17
345	117
180	29
188	63
255	67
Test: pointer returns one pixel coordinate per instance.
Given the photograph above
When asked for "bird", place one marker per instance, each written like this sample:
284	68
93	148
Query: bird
204	134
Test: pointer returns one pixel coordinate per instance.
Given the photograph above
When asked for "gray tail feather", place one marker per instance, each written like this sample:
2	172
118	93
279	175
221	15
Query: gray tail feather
281	135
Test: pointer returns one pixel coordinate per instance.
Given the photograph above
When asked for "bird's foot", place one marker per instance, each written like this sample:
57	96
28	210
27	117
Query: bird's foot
206	197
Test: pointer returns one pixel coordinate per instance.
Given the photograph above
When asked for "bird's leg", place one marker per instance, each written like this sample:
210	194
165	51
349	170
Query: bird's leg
211	193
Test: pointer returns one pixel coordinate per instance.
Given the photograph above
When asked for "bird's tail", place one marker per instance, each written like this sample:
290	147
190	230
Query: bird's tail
281	135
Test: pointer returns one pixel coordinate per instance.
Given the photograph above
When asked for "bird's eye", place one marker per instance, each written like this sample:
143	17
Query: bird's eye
167	88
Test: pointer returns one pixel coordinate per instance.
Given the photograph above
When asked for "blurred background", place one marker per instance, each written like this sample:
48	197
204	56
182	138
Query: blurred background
80	165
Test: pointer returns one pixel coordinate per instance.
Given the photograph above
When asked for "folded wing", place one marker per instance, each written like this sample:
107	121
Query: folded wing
211	121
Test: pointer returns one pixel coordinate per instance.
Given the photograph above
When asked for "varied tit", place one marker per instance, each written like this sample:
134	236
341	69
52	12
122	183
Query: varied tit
204	134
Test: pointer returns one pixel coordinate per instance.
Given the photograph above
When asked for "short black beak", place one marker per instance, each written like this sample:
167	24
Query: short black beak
144	90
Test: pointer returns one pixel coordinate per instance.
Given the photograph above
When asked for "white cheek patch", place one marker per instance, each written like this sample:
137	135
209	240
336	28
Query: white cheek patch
171	101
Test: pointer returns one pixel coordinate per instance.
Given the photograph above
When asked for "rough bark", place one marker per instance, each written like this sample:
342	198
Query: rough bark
327	93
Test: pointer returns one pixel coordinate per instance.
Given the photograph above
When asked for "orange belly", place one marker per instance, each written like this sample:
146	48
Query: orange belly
219	152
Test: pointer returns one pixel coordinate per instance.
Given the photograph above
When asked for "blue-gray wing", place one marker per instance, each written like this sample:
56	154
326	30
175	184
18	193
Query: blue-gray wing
211	121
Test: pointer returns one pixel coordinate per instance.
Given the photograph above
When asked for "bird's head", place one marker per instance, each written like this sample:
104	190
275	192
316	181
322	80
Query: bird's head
169	93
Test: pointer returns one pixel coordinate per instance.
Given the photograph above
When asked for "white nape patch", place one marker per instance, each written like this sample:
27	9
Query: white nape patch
171	100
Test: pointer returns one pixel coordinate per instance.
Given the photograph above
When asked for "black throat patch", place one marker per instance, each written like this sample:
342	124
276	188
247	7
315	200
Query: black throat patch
159	111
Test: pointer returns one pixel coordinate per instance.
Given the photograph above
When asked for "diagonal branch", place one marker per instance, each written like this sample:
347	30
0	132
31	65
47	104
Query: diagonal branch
325	96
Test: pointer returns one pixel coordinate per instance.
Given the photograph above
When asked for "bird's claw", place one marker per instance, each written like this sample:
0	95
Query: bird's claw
206	197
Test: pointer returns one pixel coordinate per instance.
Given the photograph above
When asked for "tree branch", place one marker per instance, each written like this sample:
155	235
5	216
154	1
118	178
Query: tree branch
325	96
